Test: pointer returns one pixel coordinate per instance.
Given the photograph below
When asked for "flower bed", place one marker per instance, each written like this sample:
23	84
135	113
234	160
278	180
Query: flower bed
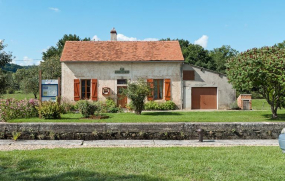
12	109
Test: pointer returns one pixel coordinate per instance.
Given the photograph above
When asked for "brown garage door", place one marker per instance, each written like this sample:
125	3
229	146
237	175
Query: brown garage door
204	98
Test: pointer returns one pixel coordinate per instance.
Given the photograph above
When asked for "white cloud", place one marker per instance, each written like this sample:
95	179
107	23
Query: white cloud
95	38
150	39
54	9
203	41
26	61
121	37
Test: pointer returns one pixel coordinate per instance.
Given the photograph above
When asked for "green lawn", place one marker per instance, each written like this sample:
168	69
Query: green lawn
19	96
177	116
260	104
196	163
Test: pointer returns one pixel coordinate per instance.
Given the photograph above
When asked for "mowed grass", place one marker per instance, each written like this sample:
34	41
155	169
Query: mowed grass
260	104
263	114
166	164
19	95
177	116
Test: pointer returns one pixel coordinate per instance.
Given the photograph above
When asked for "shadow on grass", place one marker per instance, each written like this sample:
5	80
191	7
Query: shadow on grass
162	113
281	117
32	169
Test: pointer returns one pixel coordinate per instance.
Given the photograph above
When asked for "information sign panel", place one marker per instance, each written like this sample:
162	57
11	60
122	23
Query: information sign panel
49	90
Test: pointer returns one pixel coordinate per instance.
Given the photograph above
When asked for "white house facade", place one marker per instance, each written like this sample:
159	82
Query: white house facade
98	70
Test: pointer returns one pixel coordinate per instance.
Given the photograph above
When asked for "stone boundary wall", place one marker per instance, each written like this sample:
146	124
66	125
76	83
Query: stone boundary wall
140	131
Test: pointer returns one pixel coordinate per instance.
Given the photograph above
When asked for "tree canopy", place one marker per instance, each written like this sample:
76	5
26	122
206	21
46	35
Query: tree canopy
28	79
262	68
51	68
196	55
57	50
4	59
220	56
4	56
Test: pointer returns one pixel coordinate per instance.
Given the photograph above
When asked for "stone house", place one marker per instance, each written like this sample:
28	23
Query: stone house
98	70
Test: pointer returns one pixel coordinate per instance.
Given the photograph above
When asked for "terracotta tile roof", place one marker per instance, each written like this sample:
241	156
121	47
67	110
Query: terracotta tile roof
122	51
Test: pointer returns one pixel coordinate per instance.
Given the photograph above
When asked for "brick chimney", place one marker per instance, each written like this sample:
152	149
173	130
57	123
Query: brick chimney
113	35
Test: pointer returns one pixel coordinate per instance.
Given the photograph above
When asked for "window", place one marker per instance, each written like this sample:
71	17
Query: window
85	89
188	75
157	89
122	81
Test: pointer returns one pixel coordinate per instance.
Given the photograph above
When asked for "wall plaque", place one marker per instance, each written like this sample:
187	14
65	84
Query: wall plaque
122	71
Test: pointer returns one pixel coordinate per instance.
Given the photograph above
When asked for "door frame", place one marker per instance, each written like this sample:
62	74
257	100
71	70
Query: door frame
126	99
217	96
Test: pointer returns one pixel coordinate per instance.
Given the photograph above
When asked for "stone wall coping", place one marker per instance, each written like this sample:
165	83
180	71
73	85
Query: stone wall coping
147	123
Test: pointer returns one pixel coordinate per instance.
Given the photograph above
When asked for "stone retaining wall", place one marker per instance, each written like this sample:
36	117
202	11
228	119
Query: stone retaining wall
110	131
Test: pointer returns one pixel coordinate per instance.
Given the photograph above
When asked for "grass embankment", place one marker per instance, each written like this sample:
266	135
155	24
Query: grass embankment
260	104
224	163
214	116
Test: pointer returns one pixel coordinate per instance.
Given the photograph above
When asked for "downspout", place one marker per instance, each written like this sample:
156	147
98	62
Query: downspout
182	84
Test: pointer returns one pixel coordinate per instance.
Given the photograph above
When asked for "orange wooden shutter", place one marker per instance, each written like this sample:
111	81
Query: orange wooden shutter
94	94
167	89
150	83
76	89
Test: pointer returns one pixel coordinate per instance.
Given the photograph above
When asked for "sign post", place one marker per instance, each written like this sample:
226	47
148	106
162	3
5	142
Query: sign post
40	90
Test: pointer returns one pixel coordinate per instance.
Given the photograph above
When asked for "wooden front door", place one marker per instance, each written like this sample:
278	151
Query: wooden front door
246	105
204	98
121	100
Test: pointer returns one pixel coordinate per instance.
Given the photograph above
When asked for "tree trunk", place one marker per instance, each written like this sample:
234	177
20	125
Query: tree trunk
138	112
274	112
35	96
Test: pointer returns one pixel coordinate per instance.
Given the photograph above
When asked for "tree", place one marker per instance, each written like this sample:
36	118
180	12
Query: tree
194	54
4	59
220	56
280	45
4	56
137	92
197	55
263	69
28	80
51	68
53	54
3	82
57	50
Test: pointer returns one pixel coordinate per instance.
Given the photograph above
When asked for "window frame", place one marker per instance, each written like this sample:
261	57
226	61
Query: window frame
85	89
158	88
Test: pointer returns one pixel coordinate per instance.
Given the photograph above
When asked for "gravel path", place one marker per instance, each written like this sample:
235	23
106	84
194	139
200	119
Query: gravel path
9	145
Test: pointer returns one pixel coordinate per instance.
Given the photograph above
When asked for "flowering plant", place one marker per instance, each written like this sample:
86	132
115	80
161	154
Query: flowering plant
12	108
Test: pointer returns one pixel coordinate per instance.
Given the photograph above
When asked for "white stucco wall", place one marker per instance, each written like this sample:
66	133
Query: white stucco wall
104	72
204	78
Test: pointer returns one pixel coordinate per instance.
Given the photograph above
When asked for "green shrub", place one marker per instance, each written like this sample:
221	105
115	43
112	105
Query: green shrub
67	106
50	110
10	91
151	105
168	105
111	106
234	105
12	108
86	108
137	91
130	106
101	107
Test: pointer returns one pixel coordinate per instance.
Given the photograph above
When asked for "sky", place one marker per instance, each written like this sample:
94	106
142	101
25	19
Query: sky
29	27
